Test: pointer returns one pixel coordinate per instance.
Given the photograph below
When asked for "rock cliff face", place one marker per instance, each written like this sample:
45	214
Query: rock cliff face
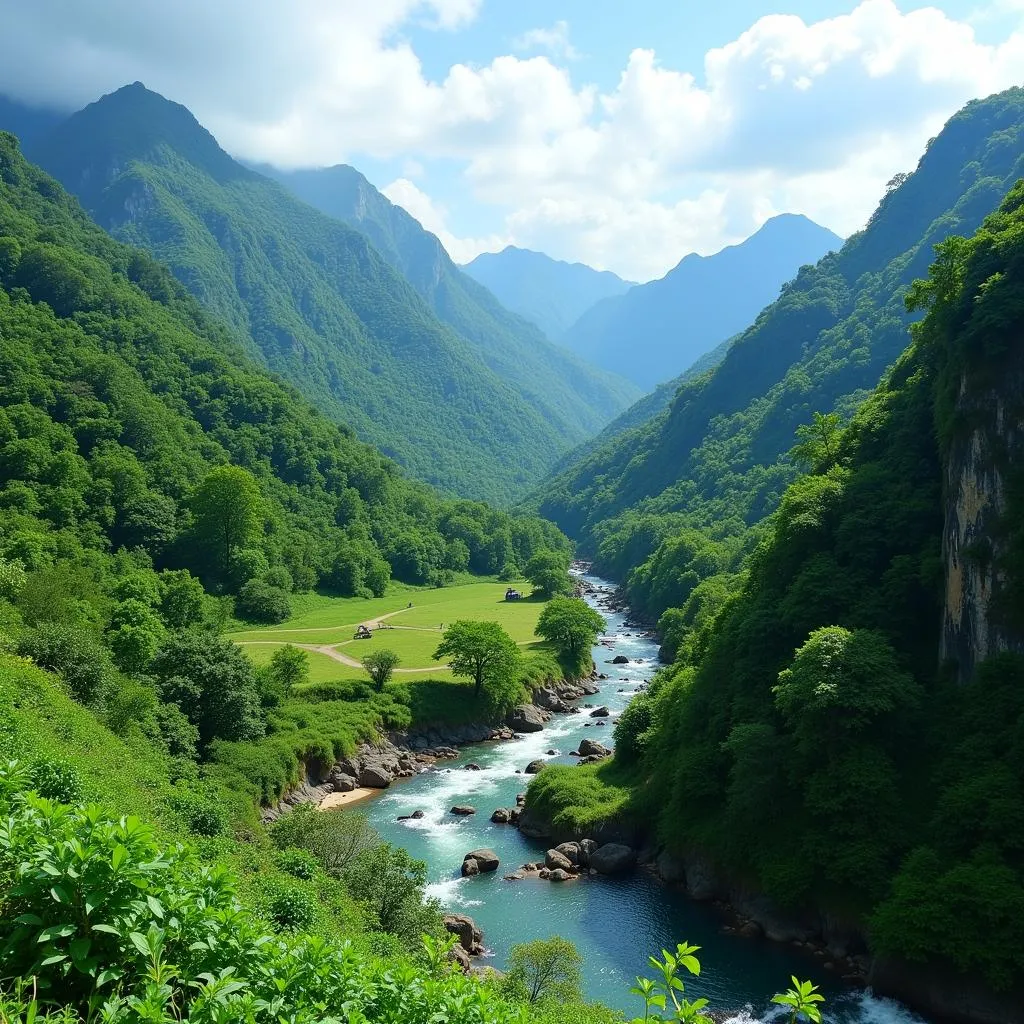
983	457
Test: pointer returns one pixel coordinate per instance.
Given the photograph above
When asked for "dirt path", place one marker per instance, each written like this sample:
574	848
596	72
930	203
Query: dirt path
333	653
369	623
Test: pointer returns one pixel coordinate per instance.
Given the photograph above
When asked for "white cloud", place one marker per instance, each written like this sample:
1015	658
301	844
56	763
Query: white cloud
434	218
809	117
554	40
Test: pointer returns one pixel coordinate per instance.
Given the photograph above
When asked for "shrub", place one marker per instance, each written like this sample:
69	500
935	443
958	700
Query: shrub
299	863
57	780
258	601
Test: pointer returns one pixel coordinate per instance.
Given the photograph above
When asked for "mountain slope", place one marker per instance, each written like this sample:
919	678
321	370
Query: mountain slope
656	330
715	456
551	293
551	376
320	305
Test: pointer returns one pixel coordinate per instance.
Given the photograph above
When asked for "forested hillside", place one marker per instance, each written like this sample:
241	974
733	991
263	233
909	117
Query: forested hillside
550	375
121	404
551	293
657	330
322	307
810	740
716	458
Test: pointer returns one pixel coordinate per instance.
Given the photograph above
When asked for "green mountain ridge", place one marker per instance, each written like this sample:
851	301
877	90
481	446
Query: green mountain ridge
716	456
548	374
655	331
321	306
553	294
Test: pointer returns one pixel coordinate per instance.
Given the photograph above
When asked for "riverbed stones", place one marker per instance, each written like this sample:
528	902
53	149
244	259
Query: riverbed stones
535	766
589	747
501	816
470	868
471	767
525	718
587	847
613	858
570	850
471	938
515	876
485	858
463	810
374	775
556	859
559	875
601	712
620	659
343	783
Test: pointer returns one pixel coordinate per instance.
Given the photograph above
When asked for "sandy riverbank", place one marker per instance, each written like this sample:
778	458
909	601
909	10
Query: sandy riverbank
354	796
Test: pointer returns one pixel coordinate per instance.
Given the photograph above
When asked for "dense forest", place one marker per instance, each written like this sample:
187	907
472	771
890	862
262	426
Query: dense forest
717	458
808	736
317	303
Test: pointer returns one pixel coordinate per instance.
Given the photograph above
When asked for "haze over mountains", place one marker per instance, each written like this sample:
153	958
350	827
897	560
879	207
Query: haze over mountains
655	331
551	293
480	410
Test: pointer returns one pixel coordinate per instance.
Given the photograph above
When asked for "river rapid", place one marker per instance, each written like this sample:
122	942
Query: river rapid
614	923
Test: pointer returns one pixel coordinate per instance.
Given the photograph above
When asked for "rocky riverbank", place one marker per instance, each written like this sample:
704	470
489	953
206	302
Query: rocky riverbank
403	755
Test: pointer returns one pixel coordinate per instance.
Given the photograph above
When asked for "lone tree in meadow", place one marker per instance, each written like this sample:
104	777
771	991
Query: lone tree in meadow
548	571
379	665
227	506
481	650
571	625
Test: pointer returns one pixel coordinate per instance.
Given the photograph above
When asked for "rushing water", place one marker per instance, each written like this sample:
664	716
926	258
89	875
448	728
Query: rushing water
615	923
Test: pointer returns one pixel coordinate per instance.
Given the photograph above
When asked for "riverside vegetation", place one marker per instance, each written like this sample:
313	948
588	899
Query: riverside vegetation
841	724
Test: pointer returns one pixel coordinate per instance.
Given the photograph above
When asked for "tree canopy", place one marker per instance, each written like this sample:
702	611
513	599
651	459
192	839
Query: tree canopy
483	651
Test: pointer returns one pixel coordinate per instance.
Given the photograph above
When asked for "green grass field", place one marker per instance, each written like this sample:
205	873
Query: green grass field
413	633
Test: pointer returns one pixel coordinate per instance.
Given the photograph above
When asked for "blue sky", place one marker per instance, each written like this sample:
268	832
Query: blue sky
623	134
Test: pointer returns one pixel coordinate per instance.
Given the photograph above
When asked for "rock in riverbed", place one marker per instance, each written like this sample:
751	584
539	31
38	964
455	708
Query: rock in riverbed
484	859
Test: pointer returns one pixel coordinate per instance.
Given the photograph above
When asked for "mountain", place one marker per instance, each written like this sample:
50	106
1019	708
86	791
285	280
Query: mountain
551	293
27	122
119	394
716	456
655	331
517	350
844	742
312	298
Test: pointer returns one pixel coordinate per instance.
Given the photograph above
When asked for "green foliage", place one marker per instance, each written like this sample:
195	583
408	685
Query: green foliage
817	449
258	601
226	506
485	653
212	682
572	626
56	780
74	654
289	667
298	863
389	885
379	666
666	992
544	970
802	1000
334	840
479	412
579	799
715	458
548	571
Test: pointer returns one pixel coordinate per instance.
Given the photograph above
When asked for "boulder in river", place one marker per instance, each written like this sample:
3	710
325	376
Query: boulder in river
534	766
620	659
525	718
570	850
587	847
601	712
471	767
471	938
613	858
501	816
486	860
463	809
374	775
588	747
559	875
555	859
470	867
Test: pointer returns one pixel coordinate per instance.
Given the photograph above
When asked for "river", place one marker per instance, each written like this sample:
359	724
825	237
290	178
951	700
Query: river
615	923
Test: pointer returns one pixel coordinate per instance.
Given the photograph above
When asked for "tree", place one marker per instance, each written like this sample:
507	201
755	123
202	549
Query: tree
289	666
213	683
548	571
12	578
545	970
334	839
389	884
183	601
481	650
818	445
379	665
571	625
227	506
258	601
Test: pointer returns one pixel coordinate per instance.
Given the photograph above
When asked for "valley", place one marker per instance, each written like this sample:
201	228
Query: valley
364	567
